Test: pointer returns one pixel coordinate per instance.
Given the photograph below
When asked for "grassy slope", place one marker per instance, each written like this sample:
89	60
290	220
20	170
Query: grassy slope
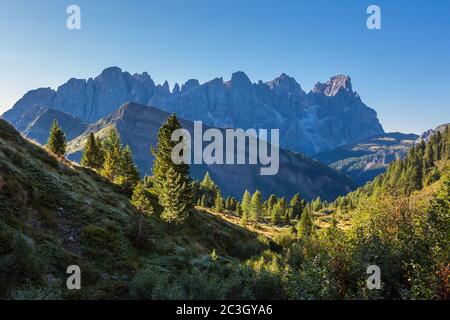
54	213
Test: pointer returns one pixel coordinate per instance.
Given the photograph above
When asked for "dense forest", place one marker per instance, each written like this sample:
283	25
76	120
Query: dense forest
167	236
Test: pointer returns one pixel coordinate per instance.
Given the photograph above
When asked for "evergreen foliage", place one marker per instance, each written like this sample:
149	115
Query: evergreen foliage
57	140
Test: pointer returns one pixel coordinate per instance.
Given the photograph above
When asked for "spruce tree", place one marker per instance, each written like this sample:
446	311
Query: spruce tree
238	209
171	181
91	154
246	203
275	217
141	199
218	202
228	203
112	149
305	226
282	206
296	206
128	173
209	189
243	218
100	156
176	198
163	159
270	203
57	140
256	206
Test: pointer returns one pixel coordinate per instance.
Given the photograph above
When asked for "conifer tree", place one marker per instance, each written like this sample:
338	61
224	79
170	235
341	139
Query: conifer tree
243	218
305	226
296	206
275	217
91	155
57	140
109	168
256	206
100	152
246	203
141	199
209	189
218	202
176	198
129	174
282	206
163	159
112	148
238	209
171	181
271	203
228	203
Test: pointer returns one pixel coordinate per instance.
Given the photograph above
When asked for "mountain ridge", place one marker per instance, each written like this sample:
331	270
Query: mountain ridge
138	126
329	115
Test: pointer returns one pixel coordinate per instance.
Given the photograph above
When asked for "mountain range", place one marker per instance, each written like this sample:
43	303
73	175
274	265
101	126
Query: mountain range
330	115
138	127
329	123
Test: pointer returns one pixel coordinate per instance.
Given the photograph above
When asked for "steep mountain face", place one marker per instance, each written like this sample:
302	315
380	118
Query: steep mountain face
364	160
138	126
36	124
332	114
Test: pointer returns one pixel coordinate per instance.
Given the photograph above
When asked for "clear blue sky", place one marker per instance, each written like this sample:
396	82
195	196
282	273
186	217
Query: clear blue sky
402	71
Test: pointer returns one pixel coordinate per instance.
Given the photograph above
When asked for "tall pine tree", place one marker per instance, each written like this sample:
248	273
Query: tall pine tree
175	197
112	148
246	203
218	202
129	174
171	181
57	140
256	207
92	157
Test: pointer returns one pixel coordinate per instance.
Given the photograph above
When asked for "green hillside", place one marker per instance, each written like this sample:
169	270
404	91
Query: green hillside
54	214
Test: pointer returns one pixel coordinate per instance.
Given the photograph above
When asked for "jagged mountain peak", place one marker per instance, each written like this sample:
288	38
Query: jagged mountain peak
333	86
240	79
189	85
286	84
111	71
310	123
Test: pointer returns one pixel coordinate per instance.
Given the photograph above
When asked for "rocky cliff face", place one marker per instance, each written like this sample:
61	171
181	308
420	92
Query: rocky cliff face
138	126
330	115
